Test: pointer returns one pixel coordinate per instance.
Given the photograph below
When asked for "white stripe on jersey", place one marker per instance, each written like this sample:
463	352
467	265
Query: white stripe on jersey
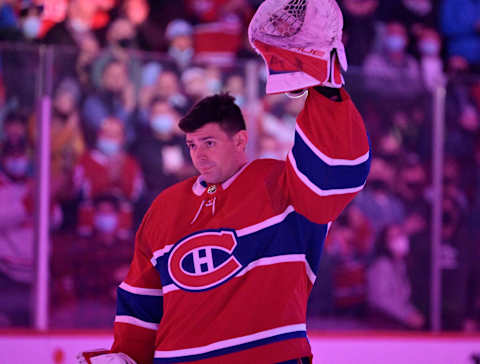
316	189
159	253
141	291
328	160
136	322
230	342
266	223
264	262
280	259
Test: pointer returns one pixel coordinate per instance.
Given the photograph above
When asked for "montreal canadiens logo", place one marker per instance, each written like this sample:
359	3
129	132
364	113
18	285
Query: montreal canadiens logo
204	260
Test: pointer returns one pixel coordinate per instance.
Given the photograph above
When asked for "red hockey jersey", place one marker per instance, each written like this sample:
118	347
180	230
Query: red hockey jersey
222	273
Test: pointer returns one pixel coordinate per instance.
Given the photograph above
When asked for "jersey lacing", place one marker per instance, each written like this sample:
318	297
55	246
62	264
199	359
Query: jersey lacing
208	203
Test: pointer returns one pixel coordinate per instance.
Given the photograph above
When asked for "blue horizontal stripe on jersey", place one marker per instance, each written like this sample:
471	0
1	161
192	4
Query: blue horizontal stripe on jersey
324	176
294	235
142	307
233	349
272	72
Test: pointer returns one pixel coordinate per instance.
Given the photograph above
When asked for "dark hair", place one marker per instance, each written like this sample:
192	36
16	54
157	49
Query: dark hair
220	109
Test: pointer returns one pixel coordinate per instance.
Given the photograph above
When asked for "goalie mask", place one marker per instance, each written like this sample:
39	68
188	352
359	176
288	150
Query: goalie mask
300	42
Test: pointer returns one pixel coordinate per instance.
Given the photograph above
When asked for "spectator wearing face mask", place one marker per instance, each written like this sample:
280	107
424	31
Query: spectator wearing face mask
22	25
161	150
77	24
460	23
30	21
108	168
388	283
16	233
415	15
429	44
179	34
67	144
121	40
75	32
115	97
392	70
89	268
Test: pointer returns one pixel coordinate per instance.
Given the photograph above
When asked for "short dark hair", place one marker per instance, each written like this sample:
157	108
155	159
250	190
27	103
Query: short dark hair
220	109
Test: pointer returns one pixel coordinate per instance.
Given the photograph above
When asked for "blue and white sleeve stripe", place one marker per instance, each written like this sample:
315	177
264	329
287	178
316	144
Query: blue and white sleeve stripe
141	307
325	175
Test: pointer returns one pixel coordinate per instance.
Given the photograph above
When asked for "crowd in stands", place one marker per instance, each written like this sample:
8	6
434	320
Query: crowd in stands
125	71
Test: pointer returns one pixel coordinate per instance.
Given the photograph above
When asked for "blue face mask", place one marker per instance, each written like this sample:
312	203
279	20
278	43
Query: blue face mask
214	85
17	166
429	48
106	222
395	43
240	100
162	124
108	147
31	27
181	57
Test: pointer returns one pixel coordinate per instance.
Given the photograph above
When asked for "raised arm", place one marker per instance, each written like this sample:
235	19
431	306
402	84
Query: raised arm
330	160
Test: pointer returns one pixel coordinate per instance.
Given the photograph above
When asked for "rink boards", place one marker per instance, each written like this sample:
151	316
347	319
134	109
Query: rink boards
60	347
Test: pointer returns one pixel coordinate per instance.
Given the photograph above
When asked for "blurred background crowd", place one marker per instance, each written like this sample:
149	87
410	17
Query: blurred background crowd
122	73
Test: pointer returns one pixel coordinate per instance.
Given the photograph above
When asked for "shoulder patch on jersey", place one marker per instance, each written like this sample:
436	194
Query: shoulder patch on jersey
204	260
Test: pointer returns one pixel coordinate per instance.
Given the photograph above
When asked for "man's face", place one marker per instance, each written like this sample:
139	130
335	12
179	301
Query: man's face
115	77
15	132
216	154
167	84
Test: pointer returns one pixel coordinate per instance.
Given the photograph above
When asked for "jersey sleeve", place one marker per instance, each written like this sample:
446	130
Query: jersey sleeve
330	160
139	304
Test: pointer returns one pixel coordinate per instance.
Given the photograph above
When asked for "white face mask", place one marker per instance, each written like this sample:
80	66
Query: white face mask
17	166
399	246
31	27
108	146
79	26
106	222
163	123
182	57
429	48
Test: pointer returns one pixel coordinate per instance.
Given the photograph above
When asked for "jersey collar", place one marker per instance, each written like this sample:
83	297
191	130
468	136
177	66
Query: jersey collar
200	185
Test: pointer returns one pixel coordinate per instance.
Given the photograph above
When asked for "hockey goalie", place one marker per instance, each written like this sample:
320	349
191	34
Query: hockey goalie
224	262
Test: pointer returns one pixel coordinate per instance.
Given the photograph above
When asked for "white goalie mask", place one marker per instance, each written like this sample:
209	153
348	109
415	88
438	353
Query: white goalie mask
300	42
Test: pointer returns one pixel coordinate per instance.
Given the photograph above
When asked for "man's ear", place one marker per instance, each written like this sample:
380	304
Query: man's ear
240	140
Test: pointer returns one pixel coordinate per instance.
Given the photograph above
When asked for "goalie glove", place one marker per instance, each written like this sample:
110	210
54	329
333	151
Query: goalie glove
300	42
103	356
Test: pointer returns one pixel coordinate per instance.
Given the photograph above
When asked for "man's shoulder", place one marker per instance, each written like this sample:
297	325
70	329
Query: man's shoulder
266	165
262	170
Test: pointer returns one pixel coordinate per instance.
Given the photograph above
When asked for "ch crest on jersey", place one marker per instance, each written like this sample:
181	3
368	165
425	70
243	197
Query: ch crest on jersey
203	260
